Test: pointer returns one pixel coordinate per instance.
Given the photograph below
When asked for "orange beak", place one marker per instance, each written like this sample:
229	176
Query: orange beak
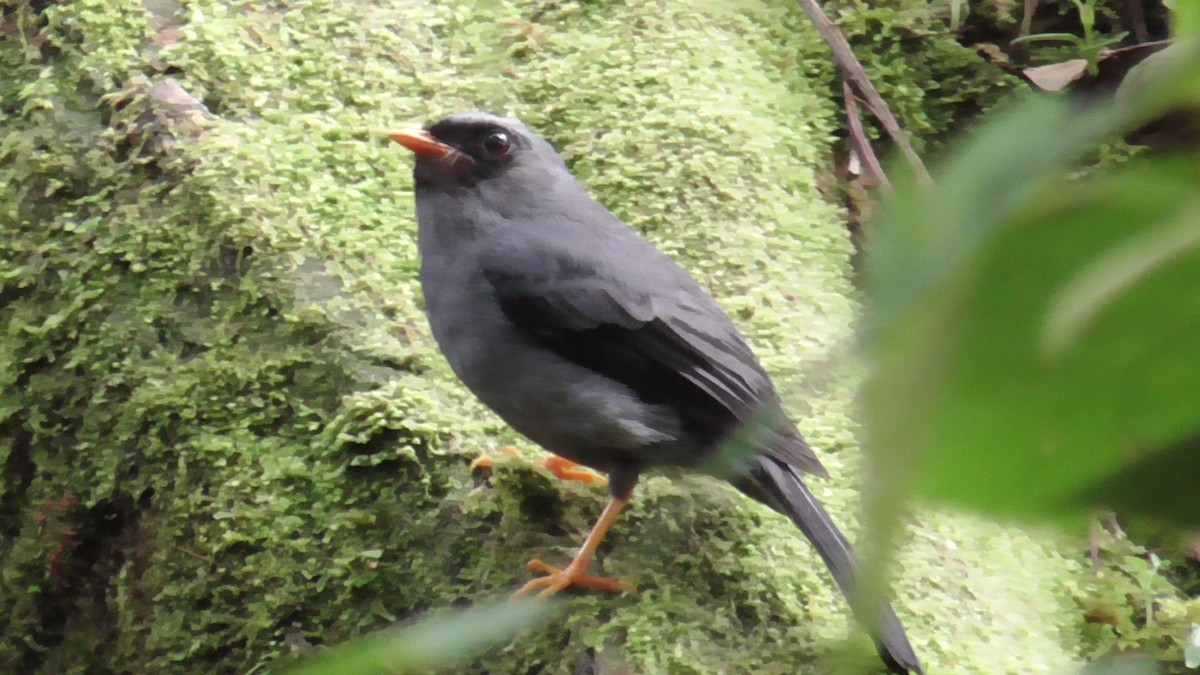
422	143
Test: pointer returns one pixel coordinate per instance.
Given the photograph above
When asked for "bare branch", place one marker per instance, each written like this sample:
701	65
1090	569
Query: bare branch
861	144
853	71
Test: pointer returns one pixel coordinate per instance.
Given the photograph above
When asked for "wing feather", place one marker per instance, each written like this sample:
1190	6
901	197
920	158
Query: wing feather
666	340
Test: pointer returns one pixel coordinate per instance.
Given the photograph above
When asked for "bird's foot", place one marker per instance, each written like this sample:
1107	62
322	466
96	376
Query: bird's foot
485	462
557	579
564	469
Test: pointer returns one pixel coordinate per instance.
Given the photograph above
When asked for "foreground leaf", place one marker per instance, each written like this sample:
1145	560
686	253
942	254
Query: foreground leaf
436	642
1033	340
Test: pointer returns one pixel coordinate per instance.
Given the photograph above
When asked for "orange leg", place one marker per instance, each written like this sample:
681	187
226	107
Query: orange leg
575	574
563	468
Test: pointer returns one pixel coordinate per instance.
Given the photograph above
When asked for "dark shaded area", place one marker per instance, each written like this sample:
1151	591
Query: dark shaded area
1161	486
88	547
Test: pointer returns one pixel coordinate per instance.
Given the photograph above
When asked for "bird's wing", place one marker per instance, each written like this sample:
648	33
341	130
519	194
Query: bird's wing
658	334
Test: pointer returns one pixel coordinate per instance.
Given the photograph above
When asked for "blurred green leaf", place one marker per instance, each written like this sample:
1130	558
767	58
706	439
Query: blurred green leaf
1159	486
1084	297
1033	339
1161	81
1185	15
433	643
744	445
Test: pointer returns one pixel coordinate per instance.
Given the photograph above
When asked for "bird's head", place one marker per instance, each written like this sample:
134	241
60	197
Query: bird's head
479	149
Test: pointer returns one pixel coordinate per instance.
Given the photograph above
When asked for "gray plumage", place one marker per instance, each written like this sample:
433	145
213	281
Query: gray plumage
594	344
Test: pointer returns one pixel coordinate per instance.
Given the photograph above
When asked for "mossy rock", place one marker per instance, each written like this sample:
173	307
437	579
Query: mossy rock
226	432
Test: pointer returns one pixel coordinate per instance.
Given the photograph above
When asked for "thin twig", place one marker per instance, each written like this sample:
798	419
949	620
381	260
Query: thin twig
192	553
852	70
1027	17
1135	16
861	144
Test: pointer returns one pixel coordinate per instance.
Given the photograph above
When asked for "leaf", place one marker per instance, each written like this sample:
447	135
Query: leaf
969	282
1049	37
436	642
1143	76
1085	296
1160	485
1185	18
1056	76
1103	276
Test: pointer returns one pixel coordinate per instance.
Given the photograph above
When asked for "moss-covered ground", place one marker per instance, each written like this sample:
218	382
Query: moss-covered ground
225	431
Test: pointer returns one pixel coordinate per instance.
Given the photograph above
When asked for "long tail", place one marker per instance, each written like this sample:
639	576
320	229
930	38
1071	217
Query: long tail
780	487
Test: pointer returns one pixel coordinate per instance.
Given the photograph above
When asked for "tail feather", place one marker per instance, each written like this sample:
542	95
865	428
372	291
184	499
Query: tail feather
780	487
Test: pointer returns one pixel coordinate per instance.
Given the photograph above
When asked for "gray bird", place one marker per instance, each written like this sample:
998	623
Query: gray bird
595	345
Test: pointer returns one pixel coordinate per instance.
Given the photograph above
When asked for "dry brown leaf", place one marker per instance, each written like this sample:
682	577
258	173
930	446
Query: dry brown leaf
1056	76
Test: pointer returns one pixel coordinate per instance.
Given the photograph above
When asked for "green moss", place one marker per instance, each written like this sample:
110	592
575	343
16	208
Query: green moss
1138	602
226	430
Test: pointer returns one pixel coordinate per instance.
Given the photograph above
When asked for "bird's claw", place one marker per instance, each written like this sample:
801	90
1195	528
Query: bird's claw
562	468
558	579
485	462
565	469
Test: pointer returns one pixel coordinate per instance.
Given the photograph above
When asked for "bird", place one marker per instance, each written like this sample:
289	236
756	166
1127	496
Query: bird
594	344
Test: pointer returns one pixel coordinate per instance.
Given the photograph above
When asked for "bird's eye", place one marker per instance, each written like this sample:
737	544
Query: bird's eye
496	144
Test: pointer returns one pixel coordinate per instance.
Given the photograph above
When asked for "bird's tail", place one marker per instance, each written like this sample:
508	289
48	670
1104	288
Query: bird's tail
780	487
